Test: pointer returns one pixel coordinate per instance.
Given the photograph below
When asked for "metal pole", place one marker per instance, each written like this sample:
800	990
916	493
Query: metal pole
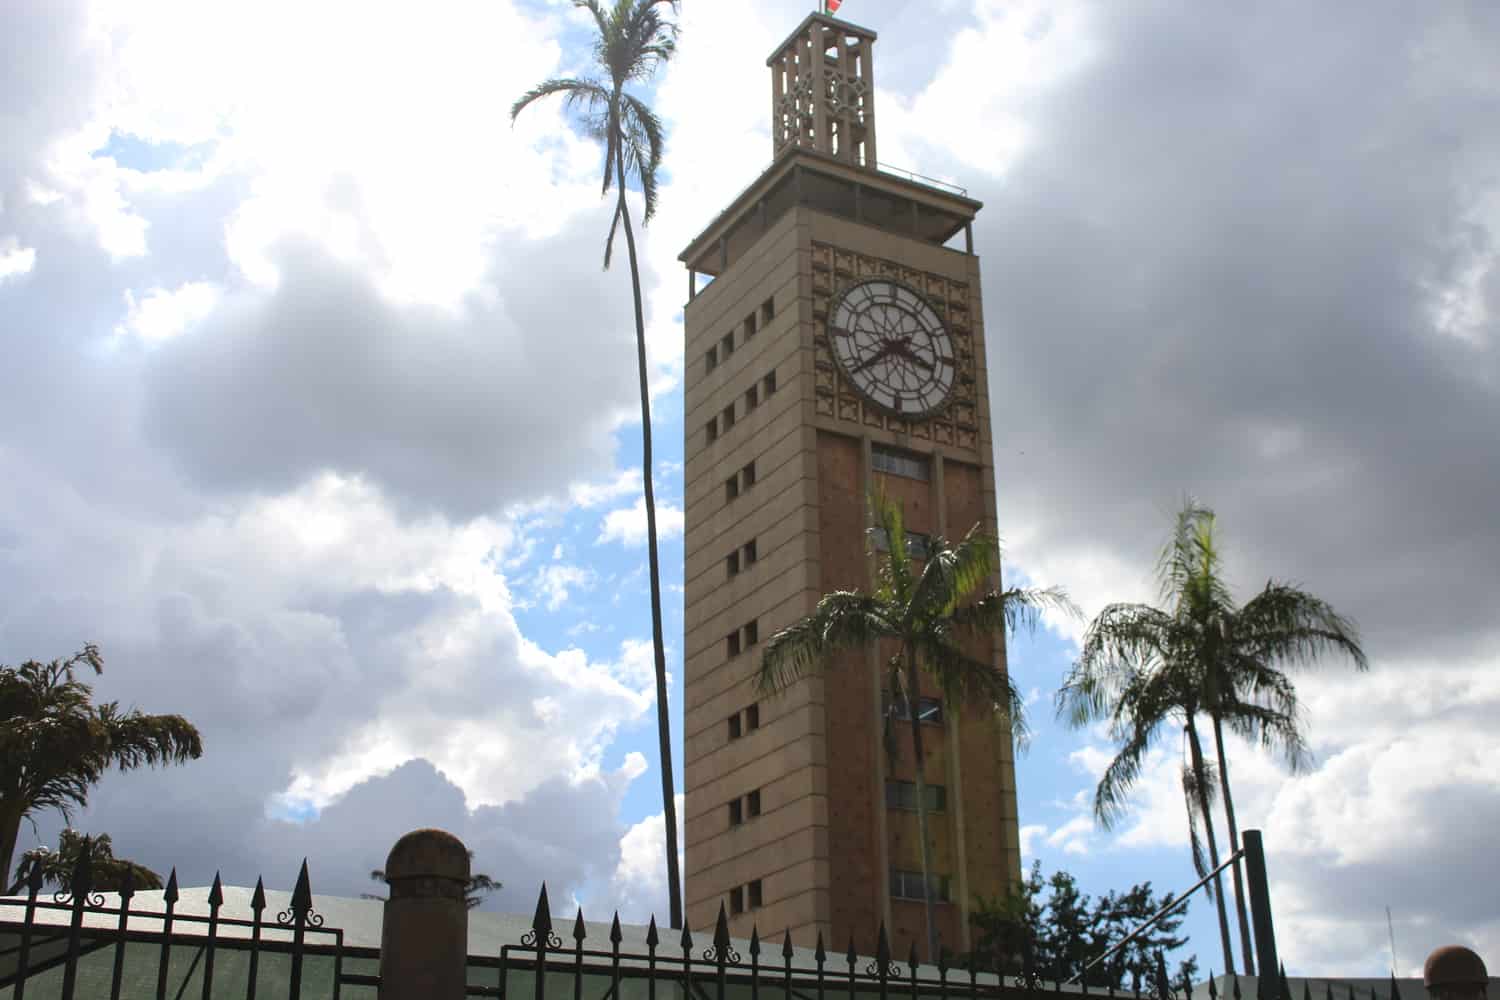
1266	965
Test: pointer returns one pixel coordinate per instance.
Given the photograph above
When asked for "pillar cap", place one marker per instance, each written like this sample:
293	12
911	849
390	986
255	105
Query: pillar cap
428	854
1454	965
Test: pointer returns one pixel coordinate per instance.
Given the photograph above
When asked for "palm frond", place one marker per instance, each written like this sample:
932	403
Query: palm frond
967	680
645	139
1288	625
1195	841
842	620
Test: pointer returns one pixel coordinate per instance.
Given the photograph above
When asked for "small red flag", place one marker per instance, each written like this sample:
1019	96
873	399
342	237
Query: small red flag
833	6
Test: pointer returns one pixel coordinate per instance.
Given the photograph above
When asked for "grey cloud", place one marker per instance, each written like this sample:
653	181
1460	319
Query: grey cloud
1213	271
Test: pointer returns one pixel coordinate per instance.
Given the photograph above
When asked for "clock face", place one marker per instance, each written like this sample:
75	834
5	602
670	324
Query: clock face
893	347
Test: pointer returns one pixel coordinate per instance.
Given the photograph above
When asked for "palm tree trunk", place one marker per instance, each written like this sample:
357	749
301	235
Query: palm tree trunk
1246	952
919	755
11	814
663	727
1201	776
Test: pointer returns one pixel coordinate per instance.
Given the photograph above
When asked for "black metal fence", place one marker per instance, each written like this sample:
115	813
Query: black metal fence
74	944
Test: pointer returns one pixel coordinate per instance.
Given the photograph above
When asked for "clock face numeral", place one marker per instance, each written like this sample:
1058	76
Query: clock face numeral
893	347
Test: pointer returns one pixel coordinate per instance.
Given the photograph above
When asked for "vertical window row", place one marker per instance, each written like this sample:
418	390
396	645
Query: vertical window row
746	720
741	558
740	482
754	396
744	808
743	897
742	638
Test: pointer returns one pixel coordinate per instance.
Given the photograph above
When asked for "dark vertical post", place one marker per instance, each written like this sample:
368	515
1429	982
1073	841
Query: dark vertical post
82	884
579	933
692	284
652	940
969	238
754	962
911	966
721	950
163	963
33	886
943	969
687	960
820	956
541	931
301	907
614	955
723	254
257	907
127	891
215	900
1260	912
883	958
852	957
786	959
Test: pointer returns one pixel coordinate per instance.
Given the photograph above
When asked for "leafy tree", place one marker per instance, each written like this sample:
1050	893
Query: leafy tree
1053	931
1141	667
106	872
633	40
924	611
478	886
55	744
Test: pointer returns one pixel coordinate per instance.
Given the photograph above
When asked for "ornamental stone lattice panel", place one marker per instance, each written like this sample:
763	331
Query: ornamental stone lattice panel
957	423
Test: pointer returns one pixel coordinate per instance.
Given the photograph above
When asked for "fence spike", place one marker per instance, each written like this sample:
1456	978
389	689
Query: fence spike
258	900
942	957
1213	992
721	932
687	937
1307	991
754	941
883	947
786	945
1286	991
34	880
1395	990
1327	989
302	893
911	957
615	937
1187	985
652	938
169	895
819	955
579	932
216	893
541	920
127	887
1236	991
851	956
82	880
1163	983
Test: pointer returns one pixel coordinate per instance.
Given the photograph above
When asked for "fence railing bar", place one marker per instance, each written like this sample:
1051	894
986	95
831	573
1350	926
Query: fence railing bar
215	900
127	890
169	897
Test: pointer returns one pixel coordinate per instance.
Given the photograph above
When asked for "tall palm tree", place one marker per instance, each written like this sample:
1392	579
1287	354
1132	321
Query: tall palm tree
1140	666
55	744
925	611
633	40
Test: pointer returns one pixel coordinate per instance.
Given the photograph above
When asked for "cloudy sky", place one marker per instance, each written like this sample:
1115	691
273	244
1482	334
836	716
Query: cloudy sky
318	414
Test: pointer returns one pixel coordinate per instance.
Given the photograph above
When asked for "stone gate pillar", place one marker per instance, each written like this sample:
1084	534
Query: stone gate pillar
424	940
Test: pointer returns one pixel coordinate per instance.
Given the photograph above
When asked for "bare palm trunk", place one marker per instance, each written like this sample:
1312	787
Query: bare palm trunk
919	754
663	727
1200	775
1234	848
10	832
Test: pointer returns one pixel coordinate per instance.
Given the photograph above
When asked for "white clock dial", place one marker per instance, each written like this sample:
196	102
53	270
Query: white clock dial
893	347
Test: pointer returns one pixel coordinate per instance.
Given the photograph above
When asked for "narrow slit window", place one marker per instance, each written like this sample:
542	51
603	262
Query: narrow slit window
726	345
727	417
752	398
731	488
750	326
752	634
732	643
767	311
736	813
734	726
769	382
737	900
755	894
710	360
752	717
732	563
712	430
752	803
749	553
747	476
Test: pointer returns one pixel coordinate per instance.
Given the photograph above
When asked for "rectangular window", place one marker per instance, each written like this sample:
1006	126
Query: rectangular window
769	382
749	553
726	345
736	813
752	717
737	900
733	643
747	476
731	488
767	311
727	417
752	398
710	360
750	326
755	894
752	803
903	795
929	710
916	543
712	430
752	633
732	563
908	885
734	726
900	463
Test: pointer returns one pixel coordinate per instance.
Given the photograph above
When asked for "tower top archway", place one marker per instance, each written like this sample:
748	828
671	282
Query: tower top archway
823	91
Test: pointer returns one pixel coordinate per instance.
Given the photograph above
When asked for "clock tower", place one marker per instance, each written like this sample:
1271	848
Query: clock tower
836	350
